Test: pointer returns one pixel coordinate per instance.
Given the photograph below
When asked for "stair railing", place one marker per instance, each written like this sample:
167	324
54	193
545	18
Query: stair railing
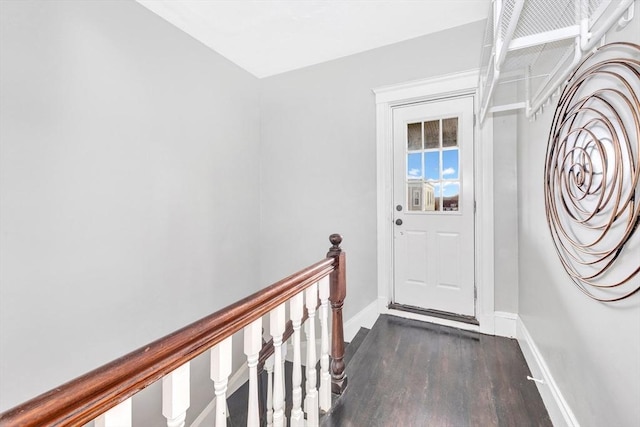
104	394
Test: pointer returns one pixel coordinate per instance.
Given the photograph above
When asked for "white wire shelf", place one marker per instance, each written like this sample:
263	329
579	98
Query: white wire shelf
539	43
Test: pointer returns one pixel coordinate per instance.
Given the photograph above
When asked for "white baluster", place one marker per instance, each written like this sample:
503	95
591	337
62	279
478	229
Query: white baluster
252	346
311	400
295	312
306	381
277	326
325	377
284	358
175	396
118	416
220	371
268	366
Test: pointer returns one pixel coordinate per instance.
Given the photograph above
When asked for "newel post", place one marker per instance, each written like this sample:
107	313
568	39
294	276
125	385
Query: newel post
338	291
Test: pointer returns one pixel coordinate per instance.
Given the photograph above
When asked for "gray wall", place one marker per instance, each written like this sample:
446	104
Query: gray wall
592	349
318	148
505	211
124	145
131	162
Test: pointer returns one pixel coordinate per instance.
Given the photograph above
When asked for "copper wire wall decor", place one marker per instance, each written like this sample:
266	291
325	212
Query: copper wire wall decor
592	174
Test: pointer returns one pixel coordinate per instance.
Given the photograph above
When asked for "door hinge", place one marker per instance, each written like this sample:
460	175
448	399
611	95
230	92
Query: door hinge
474	120
474	207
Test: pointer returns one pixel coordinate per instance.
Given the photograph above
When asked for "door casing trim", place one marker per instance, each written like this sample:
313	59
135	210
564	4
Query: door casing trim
440	87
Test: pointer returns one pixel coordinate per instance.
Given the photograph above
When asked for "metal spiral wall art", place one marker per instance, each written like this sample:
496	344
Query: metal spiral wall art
592	174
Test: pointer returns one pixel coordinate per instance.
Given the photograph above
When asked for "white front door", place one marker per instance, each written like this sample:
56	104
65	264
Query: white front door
434	206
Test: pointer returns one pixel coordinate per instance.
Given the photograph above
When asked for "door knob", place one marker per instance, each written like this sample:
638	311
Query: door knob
398	221
399	208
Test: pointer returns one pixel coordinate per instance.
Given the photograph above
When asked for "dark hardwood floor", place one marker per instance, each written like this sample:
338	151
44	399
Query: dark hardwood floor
410	373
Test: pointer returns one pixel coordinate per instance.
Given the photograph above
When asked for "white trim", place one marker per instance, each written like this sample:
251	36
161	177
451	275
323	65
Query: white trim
505	324
558	408
365	318
388	97
431	88
484	228
385	201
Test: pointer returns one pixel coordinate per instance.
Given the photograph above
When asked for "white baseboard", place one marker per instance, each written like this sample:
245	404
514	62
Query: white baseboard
558	408
365	318
505	324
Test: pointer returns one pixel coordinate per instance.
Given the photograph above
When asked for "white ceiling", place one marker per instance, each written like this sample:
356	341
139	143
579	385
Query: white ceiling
267	37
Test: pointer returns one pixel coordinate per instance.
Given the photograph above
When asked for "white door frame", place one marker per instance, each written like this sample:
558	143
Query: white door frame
388	97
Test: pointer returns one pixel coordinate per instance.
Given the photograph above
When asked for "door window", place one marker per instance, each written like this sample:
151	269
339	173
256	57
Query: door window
433	166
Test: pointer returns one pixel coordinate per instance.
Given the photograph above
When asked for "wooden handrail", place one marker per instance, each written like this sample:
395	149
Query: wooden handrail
88	396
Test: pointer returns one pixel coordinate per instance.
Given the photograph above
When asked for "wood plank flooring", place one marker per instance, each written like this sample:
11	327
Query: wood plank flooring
409	373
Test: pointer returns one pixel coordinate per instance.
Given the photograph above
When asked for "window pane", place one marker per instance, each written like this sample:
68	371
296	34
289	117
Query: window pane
432	166
450	132
432	134
450	168
450	196
429	197
421	196
414	196
414	166
414	136
437	193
